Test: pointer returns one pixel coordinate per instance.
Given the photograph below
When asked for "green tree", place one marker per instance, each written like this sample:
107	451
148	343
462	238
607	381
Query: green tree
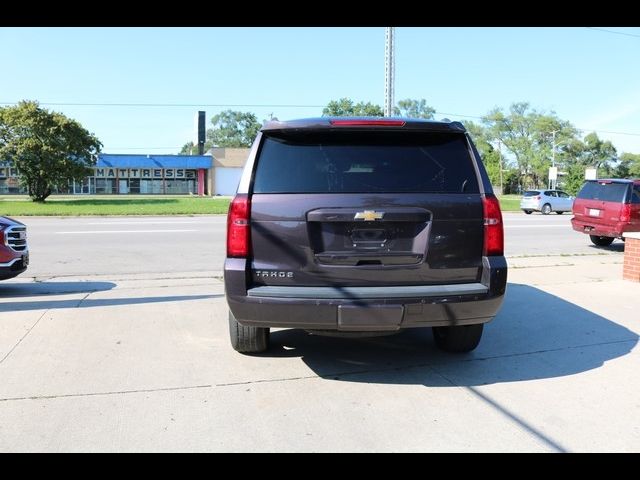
232	129
490	156
528	135
414	109
599	154
576	155
574	178
346	108
190	148
629	166
48	148
570	161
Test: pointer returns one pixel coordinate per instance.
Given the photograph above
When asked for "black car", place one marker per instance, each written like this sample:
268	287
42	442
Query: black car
364	225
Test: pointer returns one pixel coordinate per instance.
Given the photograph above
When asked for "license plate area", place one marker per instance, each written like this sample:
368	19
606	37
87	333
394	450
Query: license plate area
369	318
594	212
348	237
358	244
369	238
353	237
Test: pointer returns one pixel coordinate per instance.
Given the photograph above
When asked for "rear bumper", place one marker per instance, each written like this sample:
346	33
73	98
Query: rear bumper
367	308
534	206
613	230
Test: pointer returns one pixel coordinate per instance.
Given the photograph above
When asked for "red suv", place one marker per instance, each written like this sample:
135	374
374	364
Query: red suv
14	255
607	209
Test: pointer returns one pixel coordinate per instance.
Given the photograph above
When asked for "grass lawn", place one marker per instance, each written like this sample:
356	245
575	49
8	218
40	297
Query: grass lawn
510	203
108	205
59	205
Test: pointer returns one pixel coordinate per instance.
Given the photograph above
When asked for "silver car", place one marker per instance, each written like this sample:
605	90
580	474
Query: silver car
546	201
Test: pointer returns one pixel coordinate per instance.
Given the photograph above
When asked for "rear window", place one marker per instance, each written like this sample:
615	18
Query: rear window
607	192
365	162
531	193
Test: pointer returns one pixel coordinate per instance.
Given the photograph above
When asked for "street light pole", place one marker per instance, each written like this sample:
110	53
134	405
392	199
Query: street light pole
553	158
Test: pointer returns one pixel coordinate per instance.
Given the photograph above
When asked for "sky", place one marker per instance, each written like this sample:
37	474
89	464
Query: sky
588	76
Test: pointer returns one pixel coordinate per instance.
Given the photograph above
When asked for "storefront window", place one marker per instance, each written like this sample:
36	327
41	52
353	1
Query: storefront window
112	181
181	186
106	186
9	186
150	186
134	185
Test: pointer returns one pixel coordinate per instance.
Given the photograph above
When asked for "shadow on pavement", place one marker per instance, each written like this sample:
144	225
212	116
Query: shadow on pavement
98	302
8	290
535	335
616	246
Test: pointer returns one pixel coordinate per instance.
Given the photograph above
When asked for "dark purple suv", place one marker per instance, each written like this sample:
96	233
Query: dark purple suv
364	226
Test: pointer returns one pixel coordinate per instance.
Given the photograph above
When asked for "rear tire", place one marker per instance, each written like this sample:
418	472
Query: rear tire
601	241
528	212
458	339
247	339
546	209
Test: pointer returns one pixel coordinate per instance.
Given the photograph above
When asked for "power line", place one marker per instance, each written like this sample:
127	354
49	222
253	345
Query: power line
609	131
578	128
191	105
144	148
459	115
144	105
613	31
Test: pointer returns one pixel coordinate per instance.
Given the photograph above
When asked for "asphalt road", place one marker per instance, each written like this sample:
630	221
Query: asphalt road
122	245
117	245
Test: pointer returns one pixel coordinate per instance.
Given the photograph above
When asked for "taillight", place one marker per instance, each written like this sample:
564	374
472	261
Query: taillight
493	229
238	227
625	214
538	197
357	123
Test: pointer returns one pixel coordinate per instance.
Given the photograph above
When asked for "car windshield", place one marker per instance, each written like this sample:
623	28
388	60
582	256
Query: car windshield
531	193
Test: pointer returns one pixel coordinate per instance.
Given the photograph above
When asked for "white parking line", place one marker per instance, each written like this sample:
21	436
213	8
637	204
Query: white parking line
126	231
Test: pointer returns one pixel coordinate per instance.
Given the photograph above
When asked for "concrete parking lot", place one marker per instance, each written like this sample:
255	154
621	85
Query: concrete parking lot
137	358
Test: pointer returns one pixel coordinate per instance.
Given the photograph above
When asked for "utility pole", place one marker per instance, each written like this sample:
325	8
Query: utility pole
500	166
389	71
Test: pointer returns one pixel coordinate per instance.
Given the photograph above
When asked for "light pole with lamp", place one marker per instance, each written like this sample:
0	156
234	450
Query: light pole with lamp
500	166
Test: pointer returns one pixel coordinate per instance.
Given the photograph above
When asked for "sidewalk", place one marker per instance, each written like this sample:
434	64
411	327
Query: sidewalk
143	363
559	269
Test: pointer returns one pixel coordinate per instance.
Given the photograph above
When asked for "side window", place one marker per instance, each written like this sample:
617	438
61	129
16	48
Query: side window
635	197
563	195
550	193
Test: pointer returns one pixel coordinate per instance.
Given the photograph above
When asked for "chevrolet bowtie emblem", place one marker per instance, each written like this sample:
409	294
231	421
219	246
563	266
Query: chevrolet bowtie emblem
369	215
